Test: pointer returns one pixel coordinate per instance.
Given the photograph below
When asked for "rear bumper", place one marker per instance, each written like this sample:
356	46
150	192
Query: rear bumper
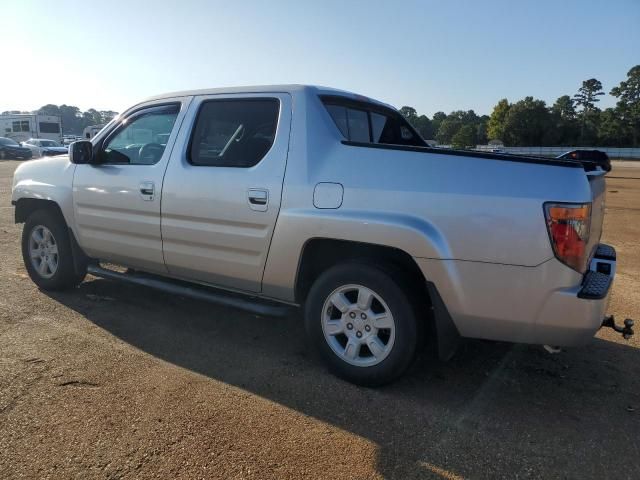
572	318
547	304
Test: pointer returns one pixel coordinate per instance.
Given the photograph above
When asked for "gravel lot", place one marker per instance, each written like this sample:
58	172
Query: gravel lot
115	381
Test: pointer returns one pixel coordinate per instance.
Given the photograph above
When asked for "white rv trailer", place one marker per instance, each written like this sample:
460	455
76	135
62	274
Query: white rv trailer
90	131
23	126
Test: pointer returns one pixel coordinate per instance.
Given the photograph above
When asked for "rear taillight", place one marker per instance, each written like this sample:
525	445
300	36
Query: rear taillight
568	225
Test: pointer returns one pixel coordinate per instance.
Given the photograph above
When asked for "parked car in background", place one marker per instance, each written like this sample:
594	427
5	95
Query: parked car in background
11	150
45	148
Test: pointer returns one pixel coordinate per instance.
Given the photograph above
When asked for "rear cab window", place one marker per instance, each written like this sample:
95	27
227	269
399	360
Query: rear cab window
366	122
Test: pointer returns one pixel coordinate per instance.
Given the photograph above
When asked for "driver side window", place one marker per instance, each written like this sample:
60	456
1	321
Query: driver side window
141	138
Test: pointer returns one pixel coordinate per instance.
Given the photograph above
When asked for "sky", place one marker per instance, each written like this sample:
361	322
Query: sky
432	55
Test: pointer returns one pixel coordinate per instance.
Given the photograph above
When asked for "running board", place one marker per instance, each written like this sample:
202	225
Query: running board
249	304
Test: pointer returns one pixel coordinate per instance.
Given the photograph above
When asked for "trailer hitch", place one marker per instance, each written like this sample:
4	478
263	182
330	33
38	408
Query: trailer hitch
626	331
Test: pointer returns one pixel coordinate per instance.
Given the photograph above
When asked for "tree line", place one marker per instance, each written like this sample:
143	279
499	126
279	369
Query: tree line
72	118
571	120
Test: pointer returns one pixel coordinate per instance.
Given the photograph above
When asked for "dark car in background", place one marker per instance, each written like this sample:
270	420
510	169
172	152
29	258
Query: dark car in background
10	149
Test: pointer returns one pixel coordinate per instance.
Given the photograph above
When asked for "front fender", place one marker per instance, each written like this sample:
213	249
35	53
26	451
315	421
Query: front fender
49	179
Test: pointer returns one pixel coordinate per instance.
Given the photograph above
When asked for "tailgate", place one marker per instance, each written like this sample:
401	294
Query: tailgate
597	183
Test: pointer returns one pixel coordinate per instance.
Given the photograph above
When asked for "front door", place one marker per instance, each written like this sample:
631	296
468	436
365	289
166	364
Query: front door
117	202
222	190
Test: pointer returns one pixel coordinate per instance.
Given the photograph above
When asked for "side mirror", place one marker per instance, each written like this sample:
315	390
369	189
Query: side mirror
81	152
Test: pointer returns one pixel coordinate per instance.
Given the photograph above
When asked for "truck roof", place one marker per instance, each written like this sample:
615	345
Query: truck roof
290	88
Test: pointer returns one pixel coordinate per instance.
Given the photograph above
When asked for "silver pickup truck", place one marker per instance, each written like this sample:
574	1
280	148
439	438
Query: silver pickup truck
264	198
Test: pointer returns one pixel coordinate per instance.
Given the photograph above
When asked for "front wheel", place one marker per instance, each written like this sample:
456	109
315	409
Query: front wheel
46	251
364	321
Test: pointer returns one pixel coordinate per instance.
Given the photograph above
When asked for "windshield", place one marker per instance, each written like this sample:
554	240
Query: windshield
49	143
8	141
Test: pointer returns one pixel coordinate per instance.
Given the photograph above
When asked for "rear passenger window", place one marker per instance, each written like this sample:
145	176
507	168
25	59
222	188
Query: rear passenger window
234	133
365	122
358	123
352	123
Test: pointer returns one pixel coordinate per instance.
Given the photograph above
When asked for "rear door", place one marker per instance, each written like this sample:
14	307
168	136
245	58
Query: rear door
222	191
117	203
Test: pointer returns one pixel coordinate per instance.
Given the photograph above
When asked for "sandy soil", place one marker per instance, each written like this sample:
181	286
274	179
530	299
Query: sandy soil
112	381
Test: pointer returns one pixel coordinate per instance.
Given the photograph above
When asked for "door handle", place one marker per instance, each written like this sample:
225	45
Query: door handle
147	190
258	199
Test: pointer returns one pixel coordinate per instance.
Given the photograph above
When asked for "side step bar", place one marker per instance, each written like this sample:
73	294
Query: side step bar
249	304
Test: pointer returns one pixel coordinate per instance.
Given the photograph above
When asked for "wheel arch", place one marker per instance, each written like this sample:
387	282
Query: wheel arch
24	207
319	254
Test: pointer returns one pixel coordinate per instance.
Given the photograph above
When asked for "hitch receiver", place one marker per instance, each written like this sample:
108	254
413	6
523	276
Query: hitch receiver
626	331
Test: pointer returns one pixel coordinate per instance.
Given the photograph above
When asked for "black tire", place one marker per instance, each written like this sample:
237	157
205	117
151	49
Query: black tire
400	299
65	276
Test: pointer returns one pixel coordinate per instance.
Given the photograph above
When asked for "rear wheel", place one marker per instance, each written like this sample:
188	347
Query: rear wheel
47	253
364	321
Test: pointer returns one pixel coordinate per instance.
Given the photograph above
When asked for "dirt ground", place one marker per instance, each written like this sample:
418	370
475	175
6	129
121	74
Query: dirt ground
115	381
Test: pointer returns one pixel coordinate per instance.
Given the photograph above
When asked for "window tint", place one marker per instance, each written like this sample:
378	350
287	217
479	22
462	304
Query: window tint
339	115
358	123
353	123
233	133
142	138
370	123
49	127
378	122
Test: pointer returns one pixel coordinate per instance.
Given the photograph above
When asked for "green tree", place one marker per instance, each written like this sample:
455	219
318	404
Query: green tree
448	128
410	114
421	123
424	127
495	126
464	137
436	121
564	108
71	118
564	119
628	105
586	100
107	115
527	123
612	130
481	130
453	122
49	109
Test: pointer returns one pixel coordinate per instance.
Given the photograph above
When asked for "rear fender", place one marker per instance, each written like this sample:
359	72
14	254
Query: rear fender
294	228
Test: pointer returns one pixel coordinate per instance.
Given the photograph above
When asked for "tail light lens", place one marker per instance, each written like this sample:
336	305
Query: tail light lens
568	225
